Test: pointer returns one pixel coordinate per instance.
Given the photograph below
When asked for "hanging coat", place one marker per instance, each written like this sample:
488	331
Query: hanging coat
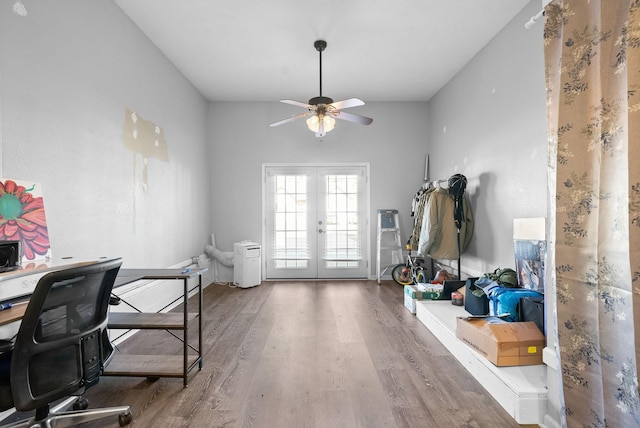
417	210
439	234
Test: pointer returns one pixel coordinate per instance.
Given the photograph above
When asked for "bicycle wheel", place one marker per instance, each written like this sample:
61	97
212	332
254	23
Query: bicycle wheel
420	276
401	274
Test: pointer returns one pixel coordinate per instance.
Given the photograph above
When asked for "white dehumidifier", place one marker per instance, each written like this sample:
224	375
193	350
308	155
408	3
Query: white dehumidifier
246	264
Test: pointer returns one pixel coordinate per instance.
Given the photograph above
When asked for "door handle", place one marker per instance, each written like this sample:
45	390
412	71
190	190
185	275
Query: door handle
320	230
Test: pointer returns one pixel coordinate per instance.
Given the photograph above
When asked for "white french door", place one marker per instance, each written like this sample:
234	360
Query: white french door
316	222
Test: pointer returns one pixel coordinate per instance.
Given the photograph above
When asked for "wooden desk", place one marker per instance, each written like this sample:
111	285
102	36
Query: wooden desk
154	366
13	314
18	294
17	285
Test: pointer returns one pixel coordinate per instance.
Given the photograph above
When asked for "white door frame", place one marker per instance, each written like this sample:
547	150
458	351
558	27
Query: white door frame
366	208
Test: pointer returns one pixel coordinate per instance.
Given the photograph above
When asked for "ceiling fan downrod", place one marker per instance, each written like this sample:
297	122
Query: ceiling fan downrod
320	46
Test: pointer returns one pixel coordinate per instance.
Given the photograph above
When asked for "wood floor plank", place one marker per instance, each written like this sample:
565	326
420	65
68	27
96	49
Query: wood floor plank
307	354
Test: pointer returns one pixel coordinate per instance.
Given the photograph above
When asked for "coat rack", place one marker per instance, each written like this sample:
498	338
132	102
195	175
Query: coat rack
457	186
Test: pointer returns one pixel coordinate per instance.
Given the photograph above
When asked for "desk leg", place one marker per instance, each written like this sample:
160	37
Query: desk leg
185	342
200	320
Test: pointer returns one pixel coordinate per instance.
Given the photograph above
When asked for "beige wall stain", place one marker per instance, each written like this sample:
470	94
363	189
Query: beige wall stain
146	139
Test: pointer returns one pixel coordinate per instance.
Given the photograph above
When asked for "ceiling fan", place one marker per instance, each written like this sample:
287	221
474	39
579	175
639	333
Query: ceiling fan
322	112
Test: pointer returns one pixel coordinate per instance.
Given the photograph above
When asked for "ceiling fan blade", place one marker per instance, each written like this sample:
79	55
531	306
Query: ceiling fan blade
352	117
351	102
297	103
292	118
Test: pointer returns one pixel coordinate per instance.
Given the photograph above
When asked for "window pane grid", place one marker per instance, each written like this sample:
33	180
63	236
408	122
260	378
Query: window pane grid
290	243
342	244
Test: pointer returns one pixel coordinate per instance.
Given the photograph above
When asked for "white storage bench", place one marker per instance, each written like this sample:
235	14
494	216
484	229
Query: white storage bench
520	390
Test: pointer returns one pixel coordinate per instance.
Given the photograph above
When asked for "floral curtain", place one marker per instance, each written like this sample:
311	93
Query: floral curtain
592	56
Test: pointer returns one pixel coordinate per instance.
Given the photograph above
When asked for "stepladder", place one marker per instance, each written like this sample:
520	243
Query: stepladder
389	242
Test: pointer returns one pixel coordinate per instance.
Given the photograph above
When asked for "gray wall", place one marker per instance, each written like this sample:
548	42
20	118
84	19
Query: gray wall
68	71
241	141
489	123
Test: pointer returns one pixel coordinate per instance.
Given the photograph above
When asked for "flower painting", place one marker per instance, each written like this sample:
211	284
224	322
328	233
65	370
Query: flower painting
22	218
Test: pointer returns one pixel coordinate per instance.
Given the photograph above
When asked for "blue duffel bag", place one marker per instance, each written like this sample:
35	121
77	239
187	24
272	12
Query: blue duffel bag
503	301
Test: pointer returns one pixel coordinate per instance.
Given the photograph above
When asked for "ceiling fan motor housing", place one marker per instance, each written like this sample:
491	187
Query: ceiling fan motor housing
320	100
320	45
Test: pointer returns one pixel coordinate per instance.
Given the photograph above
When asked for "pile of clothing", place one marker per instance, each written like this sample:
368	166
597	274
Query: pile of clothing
443	221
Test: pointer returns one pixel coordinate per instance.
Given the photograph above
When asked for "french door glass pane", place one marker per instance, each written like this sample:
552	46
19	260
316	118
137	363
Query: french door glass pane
291	241
342	243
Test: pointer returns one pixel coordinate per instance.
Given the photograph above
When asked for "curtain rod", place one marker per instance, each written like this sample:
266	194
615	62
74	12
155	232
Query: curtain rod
530	23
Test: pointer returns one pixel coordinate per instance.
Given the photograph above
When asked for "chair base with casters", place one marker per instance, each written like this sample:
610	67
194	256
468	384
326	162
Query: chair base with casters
58	416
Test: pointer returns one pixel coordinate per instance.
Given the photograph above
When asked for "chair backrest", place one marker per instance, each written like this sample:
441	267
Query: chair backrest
58	349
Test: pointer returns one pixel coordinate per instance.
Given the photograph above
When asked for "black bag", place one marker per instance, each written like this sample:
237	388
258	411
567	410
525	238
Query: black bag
475	305
532	309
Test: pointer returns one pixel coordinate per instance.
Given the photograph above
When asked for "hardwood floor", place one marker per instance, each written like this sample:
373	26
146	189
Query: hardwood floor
307	354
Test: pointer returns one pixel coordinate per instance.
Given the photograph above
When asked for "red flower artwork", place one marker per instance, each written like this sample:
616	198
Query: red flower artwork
22	219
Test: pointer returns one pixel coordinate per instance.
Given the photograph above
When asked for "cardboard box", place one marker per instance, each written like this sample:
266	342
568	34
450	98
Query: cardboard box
502	343
424	291
412	294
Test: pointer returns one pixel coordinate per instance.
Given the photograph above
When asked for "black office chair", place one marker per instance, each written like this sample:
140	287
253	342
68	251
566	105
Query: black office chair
60	349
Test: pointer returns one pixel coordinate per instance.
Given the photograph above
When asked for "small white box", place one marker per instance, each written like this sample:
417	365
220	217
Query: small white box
410	303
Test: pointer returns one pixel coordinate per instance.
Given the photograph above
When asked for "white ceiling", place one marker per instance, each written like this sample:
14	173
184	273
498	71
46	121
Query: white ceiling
377	50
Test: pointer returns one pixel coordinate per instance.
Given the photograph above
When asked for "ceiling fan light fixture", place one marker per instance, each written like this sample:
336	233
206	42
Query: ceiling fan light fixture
329	123
321	124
